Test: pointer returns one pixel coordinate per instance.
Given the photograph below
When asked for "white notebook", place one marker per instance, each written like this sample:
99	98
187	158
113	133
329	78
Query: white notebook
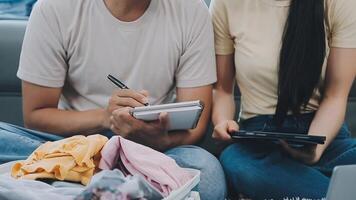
182	115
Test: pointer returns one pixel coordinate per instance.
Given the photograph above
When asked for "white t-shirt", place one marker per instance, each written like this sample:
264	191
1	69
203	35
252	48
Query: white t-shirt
75	44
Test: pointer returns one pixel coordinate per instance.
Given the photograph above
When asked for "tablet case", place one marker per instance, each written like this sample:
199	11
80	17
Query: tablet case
288	137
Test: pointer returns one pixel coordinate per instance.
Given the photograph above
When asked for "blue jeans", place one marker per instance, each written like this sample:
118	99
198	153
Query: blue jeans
17	143
212	184
262	170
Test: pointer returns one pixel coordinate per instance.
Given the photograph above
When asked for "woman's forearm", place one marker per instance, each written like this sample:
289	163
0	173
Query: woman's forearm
67	123
223	107
223	99
328	120
340	75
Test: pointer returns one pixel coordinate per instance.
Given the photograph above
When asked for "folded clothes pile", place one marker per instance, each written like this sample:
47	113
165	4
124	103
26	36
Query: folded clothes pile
105	185
129	170
70	159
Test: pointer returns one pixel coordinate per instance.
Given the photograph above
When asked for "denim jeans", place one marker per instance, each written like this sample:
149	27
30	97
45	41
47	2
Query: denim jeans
17	143
262	170
212	184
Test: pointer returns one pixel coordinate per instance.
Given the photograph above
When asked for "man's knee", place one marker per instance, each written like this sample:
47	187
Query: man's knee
212	180
194	157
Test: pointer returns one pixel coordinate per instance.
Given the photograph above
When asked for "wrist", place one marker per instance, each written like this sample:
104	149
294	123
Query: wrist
166	144
104	117
319	151
221	120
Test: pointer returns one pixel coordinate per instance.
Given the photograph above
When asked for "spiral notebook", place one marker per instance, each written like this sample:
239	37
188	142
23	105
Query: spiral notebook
181	116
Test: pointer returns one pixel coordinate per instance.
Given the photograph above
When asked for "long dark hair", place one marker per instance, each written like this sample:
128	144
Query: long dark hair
301	57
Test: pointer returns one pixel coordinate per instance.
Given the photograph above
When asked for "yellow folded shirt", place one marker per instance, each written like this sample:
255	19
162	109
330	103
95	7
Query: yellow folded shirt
71	159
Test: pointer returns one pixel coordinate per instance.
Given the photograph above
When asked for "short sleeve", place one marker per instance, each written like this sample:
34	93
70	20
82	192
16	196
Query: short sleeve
343	23
197	66
224	44
42	59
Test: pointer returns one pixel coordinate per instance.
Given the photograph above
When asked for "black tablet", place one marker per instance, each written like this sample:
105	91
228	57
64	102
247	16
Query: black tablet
288	137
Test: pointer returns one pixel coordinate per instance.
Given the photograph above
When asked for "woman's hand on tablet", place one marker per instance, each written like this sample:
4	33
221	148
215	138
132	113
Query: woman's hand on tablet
309	154
224	129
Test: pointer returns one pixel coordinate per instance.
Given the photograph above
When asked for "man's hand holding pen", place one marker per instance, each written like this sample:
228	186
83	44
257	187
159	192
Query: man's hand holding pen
121	122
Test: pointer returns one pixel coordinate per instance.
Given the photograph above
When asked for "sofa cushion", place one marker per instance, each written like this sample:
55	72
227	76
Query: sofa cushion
11	37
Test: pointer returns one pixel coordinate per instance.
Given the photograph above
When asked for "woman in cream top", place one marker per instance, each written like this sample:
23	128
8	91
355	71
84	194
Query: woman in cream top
294	62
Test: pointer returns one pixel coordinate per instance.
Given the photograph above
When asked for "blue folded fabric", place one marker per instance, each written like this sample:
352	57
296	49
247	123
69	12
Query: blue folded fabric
114	185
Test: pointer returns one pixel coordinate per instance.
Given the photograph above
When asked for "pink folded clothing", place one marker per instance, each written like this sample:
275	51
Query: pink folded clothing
131	158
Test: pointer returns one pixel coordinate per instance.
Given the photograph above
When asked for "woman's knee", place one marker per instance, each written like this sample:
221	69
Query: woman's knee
241	169
233	160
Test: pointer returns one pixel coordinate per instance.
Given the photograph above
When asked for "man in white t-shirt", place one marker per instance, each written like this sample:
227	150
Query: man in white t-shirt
161	49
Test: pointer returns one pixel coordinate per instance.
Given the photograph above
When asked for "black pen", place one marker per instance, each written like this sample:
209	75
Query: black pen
119	84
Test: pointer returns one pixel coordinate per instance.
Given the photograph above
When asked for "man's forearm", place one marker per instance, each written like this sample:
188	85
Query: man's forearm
67	123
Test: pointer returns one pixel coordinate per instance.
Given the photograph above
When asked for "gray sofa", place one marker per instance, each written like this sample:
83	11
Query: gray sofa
11	36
